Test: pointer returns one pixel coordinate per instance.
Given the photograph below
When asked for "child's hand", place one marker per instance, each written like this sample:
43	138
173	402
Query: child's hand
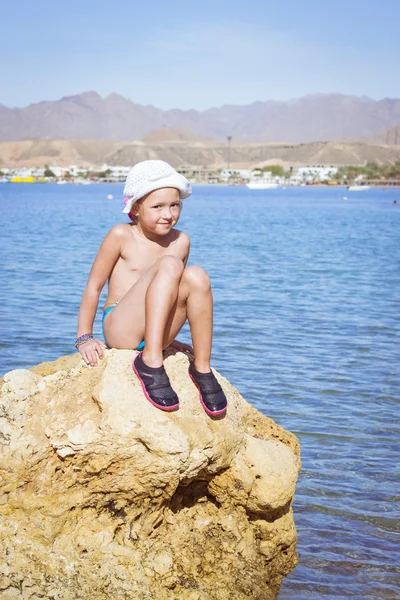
181	347
91	351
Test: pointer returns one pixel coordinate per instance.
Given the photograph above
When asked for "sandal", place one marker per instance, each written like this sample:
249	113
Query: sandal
212	396
155	384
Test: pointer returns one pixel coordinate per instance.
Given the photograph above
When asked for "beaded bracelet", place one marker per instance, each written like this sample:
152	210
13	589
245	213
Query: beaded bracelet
82	339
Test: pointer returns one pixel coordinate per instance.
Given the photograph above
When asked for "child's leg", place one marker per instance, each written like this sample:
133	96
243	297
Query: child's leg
194	303
155	293
195	292
156	308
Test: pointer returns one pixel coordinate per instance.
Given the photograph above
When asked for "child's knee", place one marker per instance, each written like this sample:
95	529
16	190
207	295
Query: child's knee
196	277
171	265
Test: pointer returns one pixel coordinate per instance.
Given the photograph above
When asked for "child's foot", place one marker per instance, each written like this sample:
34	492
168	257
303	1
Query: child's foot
212	397
155	384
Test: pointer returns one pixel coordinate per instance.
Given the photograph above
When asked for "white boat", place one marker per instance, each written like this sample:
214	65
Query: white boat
262	185
358	188
61	182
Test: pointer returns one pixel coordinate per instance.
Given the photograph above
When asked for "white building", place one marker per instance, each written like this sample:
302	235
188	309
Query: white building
116	171
313	173
58	171
226	174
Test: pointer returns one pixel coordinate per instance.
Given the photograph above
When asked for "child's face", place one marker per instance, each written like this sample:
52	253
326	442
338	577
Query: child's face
160	211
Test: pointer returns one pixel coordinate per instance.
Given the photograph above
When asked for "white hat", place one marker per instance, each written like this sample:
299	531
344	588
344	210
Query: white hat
150	175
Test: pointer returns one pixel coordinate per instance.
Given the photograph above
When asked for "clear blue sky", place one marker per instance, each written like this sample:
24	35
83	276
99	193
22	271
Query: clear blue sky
175	54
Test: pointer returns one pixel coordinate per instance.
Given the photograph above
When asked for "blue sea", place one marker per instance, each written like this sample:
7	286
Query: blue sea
307	322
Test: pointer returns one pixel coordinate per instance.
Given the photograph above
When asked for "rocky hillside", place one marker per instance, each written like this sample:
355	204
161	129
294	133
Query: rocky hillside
310	118
36	153
390	136
166	134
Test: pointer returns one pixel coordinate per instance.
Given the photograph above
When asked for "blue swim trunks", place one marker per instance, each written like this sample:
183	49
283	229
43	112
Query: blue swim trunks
105	313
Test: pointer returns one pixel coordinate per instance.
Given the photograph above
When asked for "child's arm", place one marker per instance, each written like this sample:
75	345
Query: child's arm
104	262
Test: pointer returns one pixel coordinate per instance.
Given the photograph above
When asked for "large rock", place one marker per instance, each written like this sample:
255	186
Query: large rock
103	496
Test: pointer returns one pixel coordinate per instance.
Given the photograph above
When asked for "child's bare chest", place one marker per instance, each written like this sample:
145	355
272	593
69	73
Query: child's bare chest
138	259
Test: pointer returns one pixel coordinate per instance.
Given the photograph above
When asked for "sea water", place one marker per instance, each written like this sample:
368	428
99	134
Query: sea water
307	319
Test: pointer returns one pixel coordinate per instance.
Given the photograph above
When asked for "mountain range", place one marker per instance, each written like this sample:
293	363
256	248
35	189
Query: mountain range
88	116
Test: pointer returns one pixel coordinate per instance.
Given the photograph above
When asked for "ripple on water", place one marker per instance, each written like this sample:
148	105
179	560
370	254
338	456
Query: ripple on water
307	324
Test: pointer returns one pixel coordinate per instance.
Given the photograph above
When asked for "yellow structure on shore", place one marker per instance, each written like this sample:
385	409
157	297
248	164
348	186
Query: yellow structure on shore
28	179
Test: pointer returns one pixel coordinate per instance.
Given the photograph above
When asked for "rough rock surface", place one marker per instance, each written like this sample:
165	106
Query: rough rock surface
103	496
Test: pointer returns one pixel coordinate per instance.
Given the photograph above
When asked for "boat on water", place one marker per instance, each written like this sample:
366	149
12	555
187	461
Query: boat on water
358	188
262	185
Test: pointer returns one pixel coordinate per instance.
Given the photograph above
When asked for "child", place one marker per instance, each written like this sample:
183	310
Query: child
151	291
